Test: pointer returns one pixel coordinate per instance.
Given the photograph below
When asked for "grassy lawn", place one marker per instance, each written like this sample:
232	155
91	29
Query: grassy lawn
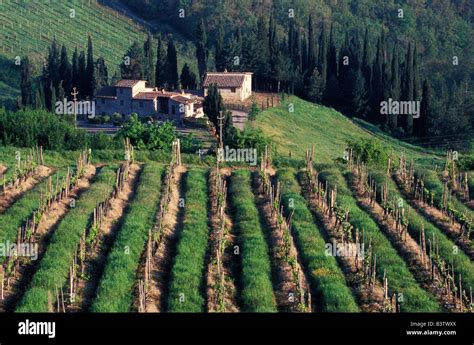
328	130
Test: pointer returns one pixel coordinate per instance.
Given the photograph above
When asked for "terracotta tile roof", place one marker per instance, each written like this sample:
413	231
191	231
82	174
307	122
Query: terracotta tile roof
146	95
224	79
181	99
107	92
127	83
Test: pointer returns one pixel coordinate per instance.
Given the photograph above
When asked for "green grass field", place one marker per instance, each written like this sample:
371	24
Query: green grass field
328	130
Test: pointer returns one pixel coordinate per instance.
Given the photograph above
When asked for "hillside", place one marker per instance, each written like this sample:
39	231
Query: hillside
328	130
28	28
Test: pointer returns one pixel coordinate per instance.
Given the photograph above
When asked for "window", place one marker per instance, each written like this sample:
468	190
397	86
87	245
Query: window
121	103
232	89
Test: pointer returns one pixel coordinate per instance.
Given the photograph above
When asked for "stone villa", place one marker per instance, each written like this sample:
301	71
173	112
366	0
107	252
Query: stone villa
233	86
132	96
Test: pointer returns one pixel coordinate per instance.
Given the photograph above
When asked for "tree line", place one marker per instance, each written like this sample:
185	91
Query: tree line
60	75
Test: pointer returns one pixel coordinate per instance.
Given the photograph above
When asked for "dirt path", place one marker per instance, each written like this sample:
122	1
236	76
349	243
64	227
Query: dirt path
96	257
229	265
370	299
45	229
451	228
286	284
12	194
163	258
407	248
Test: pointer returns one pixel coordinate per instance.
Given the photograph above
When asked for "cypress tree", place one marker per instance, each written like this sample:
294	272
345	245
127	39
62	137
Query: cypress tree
172	64
213	105
332	88
65	71
409	92
422	123
75	70
89	87
366	60
377	80
323	54
26	84
395	84
344	81
160	69
201	49
39	98
188	78
149	68
101	74
273	49
82	84
52	72
312	55
263	71
219	48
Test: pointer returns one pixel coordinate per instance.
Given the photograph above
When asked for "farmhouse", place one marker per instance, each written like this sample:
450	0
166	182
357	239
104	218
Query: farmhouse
233	86
132	96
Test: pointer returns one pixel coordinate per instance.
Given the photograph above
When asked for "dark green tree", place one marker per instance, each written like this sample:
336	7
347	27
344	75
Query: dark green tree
75	70
188	78
160	68
65	71
408	90
90	74
213	105
426	111
149	67
395	84
312	49
101	74
133	63
219	48
172	64
82	85
26	84
332	87
201	49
